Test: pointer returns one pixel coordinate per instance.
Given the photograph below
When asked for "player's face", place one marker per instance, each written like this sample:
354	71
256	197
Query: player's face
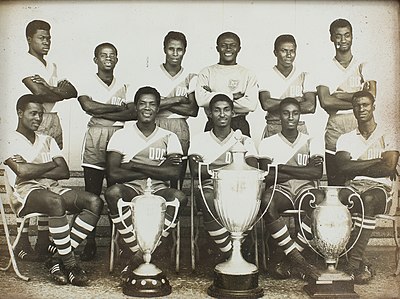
40	42
106	58
290	115
342	38
221	114
285	54
32	117
174	52
228	49
363	109
147	108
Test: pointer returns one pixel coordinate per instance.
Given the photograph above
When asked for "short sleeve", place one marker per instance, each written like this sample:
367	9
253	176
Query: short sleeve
263	147
55	149
174	146
316	147
250	148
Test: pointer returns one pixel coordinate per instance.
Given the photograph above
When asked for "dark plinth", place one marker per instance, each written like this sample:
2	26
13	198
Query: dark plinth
328	289
235	286
147	286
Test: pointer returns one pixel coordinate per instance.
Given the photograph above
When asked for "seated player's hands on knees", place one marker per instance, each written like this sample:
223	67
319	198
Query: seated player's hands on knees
173	159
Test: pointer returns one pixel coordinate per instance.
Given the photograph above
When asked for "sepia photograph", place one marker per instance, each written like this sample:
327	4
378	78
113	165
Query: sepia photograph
204	149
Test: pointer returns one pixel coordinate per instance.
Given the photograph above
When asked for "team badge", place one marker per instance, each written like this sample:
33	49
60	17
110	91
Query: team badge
233	84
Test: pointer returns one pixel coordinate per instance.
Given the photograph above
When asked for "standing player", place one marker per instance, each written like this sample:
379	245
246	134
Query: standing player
340	79
214	148
35	164
41	77
228	77
137	152
367	157
299	166
282	81
104	98
176	86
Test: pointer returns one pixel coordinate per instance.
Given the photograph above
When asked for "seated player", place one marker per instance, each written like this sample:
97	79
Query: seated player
213	148
367	157
299	164
35	163
139	151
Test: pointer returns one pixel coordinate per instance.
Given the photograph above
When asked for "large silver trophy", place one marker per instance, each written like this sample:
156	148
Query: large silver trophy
148	214
237	190
331	226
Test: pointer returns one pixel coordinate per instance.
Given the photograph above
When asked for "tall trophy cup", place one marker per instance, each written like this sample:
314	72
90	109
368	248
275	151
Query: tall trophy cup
237	190
331	226
148	213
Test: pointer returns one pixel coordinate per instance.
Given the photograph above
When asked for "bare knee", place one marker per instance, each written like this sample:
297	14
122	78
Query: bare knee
112	195
94	204
53	205
369	204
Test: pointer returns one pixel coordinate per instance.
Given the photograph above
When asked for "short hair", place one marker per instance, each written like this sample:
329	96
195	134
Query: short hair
174	35
287	101
284	38
147	90
36	25
228	34
24	100
363	94
104	45
220	98
339	23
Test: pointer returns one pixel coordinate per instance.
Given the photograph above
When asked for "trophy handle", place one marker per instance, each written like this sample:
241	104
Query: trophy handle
273	191
121	204
175	203
202	192
349	199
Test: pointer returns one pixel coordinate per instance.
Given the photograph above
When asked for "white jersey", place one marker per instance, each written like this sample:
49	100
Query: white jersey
228	79
98	91
43	150
217	153
339	79
151	150
281	151
31	66
182	84
281	87
367	149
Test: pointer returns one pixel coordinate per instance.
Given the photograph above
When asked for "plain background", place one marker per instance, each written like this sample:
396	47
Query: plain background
137	29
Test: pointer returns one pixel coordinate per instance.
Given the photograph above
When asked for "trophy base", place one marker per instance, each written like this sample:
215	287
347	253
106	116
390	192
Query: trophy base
147	286
235	286
329	285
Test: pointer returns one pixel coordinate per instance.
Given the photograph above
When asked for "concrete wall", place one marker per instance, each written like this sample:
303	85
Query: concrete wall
137	29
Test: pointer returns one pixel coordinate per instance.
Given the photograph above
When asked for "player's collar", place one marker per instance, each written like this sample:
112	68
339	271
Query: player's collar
168	74
227	138
281	75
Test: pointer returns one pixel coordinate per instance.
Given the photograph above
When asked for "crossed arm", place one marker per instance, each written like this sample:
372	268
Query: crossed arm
38	86
181	105
118	172
57	169
381	167
122	112
270	104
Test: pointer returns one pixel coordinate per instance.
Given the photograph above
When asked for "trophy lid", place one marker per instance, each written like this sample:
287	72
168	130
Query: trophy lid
148	193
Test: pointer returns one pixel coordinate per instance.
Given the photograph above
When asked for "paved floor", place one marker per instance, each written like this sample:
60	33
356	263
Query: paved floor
185	284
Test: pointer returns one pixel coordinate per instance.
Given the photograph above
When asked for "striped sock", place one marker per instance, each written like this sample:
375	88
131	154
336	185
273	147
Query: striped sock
84	223
126	232
219	234
357	252
299	241
280	233
59	229
43	230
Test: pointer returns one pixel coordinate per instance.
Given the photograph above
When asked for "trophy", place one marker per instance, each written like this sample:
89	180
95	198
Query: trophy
148	213
331	226
237	191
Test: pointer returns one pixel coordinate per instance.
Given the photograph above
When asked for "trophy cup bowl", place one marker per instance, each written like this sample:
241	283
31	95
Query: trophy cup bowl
148	214
237	190
331	226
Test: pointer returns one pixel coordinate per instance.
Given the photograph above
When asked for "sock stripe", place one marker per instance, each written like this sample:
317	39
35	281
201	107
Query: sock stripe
60	229
218	232
62	241
288	250
83	224
77	233
284	241
280	233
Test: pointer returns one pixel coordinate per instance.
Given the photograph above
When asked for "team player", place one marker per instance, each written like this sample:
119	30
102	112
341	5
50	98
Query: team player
103	97
300	165
339	79
217	153
176	86
35	164
42	77
139	151
239	83
282	81
367	156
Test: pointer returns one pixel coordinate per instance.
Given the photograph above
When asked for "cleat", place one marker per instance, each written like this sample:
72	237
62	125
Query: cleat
45	251
57	275
25	253
305	269
76	276
281	270
362	275
127	272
